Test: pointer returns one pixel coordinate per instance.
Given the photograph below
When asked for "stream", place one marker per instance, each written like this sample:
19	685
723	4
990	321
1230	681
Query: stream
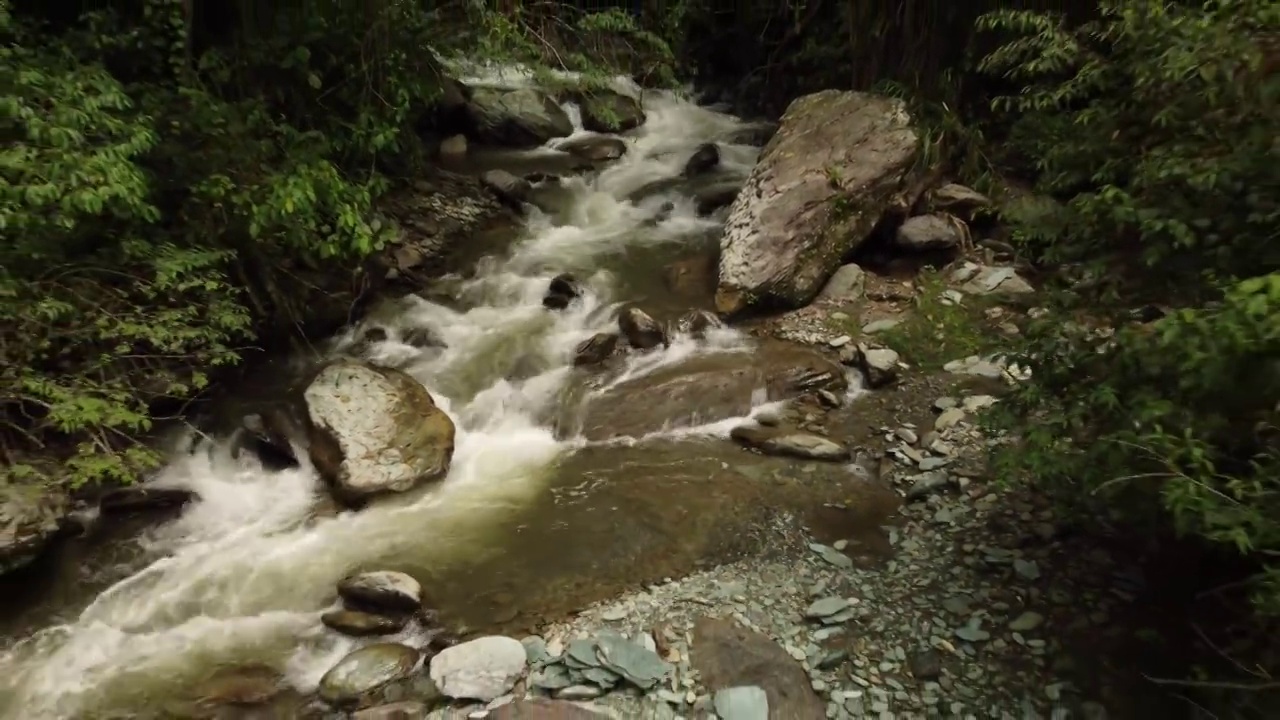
533	521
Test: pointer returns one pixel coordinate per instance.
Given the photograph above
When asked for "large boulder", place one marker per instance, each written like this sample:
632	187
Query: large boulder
375	430
521	118
818	190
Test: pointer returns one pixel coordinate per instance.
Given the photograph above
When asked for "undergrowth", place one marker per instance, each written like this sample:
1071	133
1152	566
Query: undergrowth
167	180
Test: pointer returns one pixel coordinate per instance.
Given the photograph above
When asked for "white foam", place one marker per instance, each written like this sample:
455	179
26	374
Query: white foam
243	573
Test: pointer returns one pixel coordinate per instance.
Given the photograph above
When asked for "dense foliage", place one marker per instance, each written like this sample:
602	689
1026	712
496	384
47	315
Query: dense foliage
1152	135
170	175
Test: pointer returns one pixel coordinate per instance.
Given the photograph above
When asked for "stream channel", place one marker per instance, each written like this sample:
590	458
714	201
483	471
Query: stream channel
567	485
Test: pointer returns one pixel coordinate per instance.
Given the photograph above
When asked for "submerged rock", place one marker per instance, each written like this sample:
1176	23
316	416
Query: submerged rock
375	430
247	685
362	624
403	710
520	118
482	669
789	443
640	329
819	189
384	589
365	671
701	389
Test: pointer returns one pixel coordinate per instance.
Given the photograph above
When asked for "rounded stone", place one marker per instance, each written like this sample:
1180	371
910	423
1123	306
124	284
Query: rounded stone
365	671
382	589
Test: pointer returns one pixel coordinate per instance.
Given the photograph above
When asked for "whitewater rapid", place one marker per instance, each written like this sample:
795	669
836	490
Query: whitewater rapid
245	572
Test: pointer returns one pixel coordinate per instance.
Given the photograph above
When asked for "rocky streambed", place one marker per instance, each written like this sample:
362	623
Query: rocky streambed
555	484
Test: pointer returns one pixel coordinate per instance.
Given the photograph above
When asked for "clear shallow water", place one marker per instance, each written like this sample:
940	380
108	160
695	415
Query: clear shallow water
243	574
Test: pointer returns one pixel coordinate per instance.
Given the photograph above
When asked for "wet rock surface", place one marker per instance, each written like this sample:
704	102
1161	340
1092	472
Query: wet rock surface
375	430
782	241
365	671
520	118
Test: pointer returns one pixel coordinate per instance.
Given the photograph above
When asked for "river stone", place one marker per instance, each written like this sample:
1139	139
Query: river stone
958	200
375	430
510	189
246	685
704	159
29	515
520	118
879	365
640	329
482	669
595	148
826	607
747	702
790	227
848	283
366	670
727	655
789	443
595	349
928	232
362	624
702	389
382	589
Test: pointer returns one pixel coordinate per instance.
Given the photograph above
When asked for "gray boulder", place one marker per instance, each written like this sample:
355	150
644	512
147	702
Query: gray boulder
929	232
820	187
375	430
522	118
482	669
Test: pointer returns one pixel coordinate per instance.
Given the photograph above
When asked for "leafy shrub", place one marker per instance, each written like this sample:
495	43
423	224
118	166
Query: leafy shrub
1155	128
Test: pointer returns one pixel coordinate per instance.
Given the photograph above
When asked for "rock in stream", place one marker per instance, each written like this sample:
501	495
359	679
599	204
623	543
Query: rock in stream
375	430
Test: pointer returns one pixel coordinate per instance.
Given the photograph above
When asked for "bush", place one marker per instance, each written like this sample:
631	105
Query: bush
1153	132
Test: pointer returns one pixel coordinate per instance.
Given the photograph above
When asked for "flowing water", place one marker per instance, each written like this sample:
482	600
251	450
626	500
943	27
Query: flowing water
528	521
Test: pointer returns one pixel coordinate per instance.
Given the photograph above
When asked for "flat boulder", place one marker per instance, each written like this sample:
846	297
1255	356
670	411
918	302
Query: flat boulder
815	195
701	389
518	118
789	443
375	430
